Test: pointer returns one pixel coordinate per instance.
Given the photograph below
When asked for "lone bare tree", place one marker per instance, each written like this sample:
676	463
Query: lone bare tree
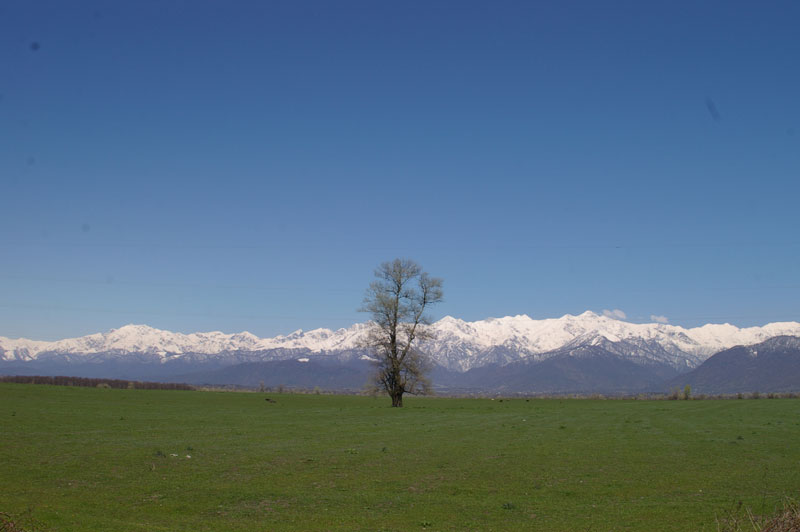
397	301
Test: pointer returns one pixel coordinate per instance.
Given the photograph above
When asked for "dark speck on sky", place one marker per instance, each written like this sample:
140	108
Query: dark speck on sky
35	46
712	109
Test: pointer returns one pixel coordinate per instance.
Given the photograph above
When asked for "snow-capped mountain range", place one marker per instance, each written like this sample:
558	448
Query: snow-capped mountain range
457	346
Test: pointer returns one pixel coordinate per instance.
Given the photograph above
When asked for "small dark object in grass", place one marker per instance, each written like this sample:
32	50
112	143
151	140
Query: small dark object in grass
742	519
508	506
12	524
267	399
7	523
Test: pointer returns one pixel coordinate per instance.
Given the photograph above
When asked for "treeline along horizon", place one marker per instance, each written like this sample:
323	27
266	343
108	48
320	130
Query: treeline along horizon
94	382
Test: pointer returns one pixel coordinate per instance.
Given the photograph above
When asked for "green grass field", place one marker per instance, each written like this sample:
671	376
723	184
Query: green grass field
100	459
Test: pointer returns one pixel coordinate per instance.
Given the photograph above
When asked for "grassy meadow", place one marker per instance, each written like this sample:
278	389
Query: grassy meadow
149	460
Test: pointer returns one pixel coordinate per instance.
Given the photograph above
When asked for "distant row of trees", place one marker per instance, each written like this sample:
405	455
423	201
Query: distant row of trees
95	382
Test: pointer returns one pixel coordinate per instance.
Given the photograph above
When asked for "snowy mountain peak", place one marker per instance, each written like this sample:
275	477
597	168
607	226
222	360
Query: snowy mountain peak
457	344
133	328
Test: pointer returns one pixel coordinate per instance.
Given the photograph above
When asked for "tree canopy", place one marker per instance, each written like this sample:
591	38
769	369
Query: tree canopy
396	301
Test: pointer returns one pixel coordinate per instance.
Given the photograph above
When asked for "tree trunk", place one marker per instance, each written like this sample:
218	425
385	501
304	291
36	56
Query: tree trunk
397	398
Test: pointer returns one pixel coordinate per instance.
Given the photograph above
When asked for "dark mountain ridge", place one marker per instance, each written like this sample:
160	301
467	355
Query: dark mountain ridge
769	366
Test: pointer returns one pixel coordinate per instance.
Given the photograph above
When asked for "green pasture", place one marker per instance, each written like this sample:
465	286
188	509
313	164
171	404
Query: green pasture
141	460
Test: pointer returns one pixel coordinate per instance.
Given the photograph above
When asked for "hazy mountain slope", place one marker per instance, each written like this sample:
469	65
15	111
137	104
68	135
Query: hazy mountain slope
576	369
769	366
322	372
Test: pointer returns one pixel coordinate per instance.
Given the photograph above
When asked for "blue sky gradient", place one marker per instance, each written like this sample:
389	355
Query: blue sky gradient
245	166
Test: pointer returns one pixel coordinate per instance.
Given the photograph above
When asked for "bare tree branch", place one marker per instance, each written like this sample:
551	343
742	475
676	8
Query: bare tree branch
397	301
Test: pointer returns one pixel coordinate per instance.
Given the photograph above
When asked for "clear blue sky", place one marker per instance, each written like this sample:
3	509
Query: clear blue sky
246	165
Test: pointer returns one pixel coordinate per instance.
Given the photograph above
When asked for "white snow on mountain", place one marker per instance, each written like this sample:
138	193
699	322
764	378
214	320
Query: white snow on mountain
457	344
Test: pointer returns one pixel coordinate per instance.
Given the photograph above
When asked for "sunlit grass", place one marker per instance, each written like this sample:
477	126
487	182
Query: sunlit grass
97	459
